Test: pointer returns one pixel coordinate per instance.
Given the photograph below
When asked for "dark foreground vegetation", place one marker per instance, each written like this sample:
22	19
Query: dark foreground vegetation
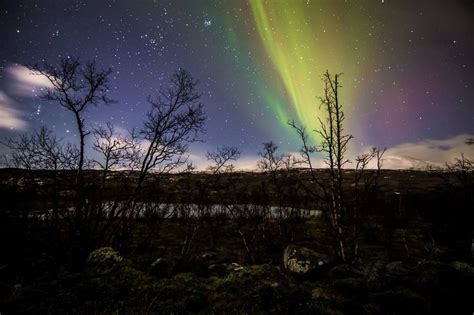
414	253
161	238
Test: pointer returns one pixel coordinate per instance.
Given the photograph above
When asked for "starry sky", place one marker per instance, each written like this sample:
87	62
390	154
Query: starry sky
407	67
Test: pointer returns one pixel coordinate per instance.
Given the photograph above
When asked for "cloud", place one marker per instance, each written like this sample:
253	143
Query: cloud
25	82
434	152
10	118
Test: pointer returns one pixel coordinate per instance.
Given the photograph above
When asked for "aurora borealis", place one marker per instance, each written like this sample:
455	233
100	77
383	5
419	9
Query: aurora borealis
300	51
407	67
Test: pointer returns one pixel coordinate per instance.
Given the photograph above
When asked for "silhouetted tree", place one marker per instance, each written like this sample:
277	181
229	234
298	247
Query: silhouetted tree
175	120
216	216
334	145
221	159
41	151
75	86
115	150
368	183
278	167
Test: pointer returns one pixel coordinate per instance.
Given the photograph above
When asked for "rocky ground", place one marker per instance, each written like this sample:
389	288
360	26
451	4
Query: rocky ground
308	282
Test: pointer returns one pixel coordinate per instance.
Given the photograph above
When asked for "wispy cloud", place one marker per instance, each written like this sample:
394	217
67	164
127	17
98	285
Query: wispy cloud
10	118
25	82
434	152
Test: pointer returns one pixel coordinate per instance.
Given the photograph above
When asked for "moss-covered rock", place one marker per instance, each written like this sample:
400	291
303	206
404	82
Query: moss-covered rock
302	261
103	260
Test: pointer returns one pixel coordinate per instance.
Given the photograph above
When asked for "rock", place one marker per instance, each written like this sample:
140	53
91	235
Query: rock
343	271
103	260
462	267
234	267
163	267
301	261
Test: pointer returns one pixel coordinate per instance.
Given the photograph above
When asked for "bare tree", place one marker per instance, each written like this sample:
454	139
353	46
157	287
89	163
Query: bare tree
175	120
278	167
41	151
369	190
116	150
221	159
75	86
216	216
334	145
271	161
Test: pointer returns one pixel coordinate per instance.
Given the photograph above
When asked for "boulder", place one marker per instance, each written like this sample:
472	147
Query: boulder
462	267
302	261
103	260
234	267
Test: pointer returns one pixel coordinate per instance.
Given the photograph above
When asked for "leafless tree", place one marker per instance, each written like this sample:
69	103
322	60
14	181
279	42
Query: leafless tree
175	120
75	86
116	150
369	185
334	146
271	161
41	151
216	216
278	167
221	159
249	221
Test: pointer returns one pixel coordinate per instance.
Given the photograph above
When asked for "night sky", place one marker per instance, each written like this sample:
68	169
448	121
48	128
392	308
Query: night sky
408	79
